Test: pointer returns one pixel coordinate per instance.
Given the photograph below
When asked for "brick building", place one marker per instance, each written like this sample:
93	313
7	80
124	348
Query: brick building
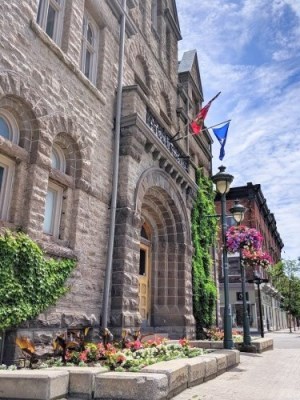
58	79
257	216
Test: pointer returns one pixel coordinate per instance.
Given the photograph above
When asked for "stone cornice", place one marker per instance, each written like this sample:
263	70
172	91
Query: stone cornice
159	151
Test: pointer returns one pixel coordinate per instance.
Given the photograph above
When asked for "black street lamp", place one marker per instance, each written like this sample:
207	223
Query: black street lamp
238	212
222	180
258	280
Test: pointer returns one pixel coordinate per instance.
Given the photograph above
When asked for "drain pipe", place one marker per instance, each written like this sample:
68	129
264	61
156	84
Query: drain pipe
115	179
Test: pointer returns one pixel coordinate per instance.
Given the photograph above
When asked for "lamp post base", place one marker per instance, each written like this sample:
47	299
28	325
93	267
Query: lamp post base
228	344
246	348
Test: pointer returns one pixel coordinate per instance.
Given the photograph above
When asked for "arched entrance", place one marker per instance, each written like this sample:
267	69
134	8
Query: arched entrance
165	249
152	280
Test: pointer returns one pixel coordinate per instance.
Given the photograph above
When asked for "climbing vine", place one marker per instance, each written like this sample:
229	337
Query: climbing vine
203	234
29	282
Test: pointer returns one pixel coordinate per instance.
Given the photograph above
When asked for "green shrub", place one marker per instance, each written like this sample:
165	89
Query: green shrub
30	282
203	234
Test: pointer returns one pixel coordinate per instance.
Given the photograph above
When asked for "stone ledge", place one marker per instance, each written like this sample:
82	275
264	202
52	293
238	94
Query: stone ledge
82	380
131	386
176	371
33	384
263	344
163	380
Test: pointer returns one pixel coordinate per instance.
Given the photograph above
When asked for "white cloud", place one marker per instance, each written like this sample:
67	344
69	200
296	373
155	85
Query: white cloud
259	93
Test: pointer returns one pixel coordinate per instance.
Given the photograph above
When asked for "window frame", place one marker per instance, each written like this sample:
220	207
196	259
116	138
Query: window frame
12	125
7	185
61	158
42	18
56	210
92	48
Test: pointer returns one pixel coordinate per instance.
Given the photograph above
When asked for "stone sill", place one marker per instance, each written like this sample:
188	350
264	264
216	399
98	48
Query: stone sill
66	60
261	344
163	380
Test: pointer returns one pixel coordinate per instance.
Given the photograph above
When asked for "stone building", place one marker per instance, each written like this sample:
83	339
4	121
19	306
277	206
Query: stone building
257	216
58	78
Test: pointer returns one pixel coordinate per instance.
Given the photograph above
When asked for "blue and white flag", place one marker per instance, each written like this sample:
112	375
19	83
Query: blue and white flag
221	135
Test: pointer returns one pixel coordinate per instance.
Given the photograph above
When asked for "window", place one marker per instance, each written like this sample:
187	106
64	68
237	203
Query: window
50	18
54	196
89	48
8	130
53	209
8	127
7	167
5	130
58	160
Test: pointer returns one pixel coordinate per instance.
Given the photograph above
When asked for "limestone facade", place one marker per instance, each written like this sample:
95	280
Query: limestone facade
57	98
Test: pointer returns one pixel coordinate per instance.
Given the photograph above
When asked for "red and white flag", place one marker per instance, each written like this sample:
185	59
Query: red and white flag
198	123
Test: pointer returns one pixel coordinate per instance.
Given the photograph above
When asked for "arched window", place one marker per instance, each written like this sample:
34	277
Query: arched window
9	127
7	167
8	130
58	160
5	130
54	198
89	53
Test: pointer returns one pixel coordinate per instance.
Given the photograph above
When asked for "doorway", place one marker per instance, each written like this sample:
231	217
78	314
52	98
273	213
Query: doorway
144	272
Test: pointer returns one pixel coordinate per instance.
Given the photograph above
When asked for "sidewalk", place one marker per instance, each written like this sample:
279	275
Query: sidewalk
272	375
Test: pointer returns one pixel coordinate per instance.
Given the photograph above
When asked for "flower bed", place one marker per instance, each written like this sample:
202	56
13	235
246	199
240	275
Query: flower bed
129	356
216	335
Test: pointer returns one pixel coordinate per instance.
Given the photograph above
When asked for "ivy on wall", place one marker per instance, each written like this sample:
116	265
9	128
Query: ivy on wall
203	234
29	282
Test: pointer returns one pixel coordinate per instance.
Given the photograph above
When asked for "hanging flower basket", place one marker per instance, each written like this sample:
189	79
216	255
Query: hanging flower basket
241	237
256	259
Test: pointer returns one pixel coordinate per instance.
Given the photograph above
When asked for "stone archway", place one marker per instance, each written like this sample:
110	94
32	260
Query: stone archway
159	204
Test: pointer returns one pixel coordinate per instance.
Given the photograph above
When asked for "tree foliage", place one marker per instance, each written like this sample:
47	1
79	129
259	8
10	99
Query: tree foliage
285	277
203	234
30	282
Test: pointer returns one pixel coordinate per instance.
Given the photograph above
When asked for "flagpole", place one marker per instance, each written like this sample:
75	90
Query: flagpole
203	129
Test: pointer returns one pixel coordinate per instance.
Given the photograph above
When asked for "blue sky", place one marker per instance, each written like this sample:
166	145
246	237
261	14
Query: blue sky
250	51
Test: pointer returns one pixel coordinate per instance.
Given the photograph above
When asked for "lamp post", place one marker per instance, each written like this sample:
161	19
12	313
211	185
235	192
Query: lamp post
222	180
258	280
238	212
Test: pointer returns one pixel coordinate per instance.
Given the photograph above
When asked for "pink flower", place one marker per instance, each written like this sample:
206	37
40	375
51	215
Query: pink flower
83	356
241	237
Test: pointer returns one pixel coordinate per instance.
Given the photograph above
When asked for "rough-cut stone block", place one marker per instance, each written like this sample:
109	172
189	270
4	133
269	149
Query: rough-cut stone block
33	385
263	344
211	367
233	357
131	386
207	344
221	360
176	371
82	380
204	344
196	370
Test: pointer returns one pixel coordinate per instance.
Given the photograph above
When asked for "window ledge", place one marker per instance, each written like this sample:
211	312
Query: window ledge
13	151
56	247
66	60
61	178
